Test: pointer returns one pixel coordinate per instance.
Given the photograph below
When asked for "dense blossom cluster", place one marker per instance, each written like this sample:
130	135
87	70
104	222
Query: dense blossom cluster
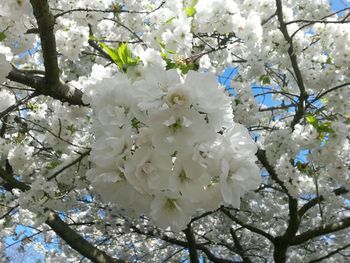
167	146
113	125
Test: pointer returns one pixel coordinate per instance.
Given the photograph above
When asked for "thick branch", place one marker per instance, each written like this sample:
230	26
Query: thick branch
77	242
261	154
50	84
191	244
311	203
319	231
282	242
46	24
62	92
12	182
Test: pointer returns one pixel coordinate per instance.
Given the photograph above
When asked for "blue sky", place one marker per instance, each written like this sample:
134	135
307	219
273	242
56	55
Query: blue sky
339	4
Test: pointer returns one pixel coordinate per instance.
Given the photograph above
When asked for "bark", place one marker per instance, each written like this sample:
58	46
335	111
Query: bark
62	92
191	244
46	22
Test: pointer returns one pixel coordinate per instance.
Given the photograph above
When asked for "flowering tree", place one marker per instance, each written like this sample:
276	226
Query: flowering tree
118	142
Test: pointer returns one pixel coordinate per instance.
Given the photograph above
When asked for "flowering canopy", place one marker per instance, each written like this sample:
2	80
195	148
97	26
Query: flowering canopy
115	129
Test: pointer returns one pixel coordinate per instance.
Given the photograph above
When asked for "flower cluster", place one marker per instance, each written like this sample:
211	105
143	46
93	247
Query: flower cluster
166	146
6	99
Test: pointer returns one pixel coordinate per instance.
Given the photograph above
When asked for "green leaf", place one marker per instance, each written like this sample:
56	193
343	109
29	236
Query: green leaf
325	127
186	67
190	11
7	222
265	79
329	60
93	38
169	63
2	36
124	53
194	2
32	106
52	165
116	7
324	100
312	120
133	62
170	20
121	56
20	137
320	137
71	128
113	53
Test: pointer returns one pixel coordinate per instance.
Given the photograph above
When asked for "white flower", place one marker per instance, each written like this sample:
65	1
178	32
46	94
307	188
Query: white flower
171	141
6	99
149	57
169	210
15	9
4	148
189	178
71	38
148	170
109	152
20	157
5	68
177	130
151	92
113	187
208	97
305	136
236	179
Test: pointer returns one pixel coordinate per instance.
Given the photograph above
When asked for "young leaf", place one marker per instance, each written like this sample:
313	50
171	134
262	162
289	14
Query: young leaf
190	11
113	53
312	120
2	36
265	80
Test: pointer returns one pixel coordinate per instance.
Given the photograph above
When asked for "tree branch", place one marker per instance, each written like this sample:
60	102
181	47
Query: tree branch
16	105
62	229
330	90
191	244
77	242
249	227
316	200
181	243
330	254
319	231
282	242
239	247
261	154
77	160
62	92
46	23
293	59
113	10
